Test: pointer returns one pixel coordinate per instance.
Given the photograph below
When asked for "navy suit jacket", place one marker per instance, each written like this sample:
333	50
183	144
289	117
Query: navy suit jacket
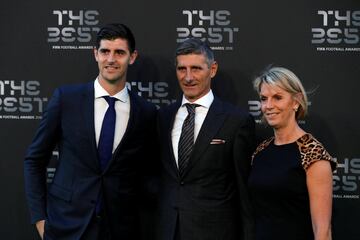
68	204
210	201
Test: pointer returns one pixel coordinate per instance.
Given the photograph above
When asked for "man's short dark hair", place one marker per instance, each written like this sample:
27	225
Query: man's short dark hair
113	31
195	46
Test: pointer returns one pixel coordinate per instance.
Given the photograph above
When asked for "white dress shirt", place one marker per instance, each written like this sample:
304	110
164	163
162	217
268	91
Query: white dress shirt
200	114
122	108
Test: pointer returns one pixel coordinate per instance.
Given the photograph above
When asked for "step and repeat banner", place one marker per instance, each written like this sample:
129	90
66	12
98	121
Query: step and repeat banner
45	44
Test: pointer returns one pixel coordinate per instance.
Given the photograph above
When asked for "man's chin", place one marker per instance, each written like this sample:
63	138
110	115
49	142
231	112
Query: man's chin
112	80
190	97
189	92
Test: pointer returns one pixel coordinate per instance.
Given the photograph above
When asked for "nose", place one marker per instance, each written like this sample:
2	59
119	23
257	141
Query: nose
111	57
188	75
268	104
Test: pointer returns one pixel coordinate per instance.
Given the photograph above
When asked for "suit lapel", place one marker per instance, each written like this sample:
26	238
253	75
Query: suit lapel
88	113
170	118
211	125
133	117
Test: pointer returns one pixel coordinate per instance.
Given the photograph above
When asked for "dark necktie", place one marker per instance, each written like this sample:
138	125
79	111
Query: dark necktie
186	142
106	140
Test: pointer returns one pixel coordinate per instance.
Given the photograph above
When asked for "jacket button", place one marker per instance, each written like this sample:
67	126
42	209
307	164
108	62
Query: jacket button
182	183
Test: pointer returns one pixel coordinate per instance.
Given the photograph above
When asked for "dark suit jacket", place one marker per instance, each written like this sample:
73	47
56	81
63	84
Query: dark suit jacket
68	204
211	200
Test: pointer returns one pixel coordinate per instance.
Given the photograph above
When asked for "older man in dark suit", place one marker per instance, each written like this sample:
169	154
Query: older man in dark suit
103	132
206	149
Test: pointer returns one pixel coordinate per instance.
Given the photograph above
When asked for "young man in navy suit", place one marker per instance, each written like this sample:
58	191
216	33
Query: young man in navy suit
206	151
103	133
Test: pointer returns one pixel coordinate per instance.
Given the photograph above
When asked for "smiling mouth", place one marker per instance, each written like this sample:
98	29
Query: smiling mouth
271	114
189	85
111	67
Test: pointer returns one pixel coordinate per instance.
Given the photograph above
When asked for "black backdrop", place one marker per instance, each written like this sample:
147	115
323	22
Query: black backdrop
45	44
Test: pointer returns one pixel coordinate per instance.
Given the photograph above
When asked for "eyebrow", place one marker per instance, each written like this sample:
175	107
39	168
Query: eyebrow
191	66
275	94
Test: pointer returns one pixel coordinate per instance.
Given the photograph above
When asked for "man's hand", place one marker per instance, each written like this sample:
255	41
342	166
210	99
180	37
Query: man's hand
40	228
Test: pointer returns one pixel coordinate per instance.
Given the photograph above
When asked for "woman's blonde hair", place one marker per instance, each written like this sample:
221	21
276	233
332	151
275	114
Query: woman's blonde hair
287	80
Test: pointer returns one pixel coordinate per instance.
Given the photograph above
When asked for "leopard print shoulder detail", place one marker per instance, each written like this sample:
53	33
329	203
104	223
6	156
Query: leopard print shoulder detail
311	150
261	147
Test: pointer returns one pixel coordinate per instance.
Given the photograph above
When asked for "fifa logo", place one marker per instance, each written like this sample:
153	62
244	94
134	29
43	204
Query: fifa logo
155	92
337	27
21	96
348	179
71	26
212	26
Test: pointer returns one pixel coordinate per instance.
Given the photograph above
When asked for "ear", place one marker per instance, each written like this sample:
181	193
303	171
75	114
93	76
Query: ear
213	69
96	54
133	57
297	97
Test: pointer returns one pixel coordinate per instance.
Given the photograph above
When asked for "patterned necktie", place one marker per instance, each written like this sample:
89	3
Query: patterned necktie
186	142
106	140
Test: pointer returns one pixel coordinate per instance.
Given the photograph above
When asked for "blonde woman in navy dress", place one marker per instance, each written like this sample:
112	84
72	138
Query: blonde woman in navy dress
291	178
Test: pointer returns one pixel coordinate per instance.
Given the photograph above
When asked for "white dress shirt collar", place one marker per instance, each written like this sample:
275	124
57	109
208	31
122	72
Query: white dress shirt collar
122	96
204	101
